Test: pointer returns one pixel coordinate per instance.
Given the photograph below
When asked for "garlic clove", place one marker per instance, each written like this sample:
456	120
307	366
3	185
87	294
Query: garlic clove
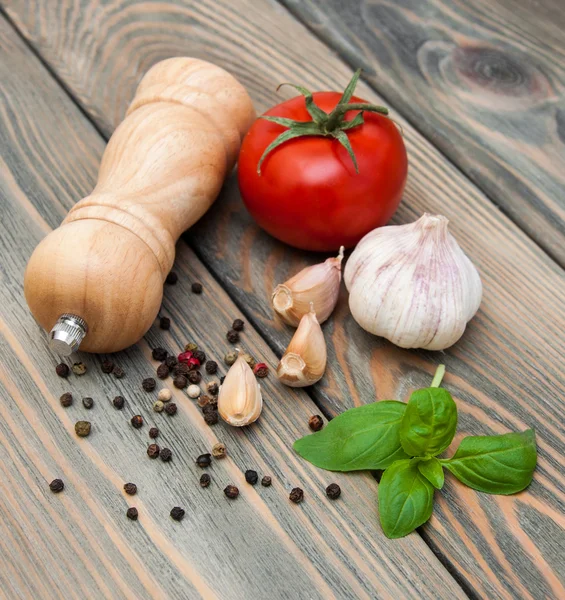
304	361
239	400
318	284
413	284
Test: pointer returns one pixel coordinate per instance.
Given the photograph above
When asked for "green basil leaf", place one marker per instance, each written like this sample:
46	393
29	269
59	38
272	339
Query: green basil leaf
495	464
432	471
366	437
406	499
429	423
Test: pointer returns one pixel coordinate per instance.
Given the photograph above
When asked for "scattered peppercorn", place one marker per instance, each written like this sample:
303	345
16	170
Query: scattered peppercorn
137	421
79	368
249	360
181	369
66	399
159	354
261	370
82	428
153	433
315	422
211	367
204	460
62	370
196	288
171	361
180	381
296	495
193	363
200	356
205	480
118	372
171	409
107	366
230	358
333	491
219	450
194	377
158	406
251	476
190	347
165	323
231	491
88	403
193	391
132	513
213	388
57	486
172	278
166	454
164	395
238	325
118	402
148	384
130	489
177	513
153	451
233	336
266	481
203	400
211	418
163	371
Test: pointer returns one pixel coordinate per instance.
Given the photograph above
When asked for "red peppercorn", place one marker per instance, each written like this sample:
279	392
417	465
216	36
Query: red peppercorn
184	356
193	363
261	370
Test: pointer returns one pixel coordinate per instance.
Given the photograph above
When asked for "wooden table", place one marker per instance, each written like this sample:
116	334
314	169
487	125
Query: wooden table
479	90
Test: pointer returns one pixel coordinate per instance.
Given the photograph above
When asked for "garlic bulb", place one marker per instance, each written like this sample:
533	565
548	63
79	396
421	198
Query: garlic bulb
413	285
304	361
239	399
318	284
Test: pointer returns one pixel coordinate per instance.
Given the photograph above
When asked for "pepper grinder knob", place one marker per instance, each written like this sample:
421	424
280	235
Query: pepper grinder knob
67	334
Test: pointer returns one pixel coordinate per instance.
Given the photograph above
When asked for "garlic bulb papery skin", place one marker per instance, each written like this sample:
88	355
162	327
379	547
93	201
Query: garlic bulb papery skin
318	284
239	400
304	361
413	285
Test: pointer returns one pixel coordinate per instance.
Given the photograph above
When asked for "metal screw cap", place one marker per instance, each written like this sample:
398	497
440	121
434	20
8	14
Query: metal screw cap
67	334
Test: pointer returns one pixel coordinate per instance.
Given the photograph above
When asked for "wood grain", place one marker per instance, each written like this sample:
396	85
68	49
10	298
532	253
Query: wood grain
483	80
79	544
505	373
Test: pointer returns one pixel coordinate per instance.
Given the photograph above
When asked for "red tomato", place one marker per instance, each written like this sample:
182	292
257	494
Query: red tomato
308	193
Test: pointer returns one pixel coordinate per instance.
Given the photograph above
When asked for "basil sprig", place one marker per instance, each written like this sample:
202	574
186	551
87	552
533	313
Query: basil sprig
404	440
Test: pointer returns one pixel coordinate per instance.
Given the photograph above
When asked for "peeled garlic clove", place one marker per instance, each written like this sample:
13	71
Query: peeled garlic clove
304	361
239	399
413	285
318	284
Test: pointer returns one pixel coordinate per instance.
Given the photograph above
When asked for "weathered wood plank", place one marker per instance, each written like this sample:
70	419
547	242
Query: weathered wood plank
505	373
79	544
483	80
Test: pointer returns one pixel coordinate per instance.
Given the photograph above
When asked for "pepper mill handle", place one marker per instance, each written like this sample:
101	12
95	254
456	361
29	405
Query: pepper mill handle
97	280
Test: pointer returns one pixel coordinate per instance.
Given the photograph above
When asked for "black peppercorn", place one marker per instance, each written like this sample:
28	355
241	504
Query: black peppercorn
162	371
266	481
165	323
296	495
153	451
180	381
148	384
153	432
159	354
204	460
238	325
82	428
177	513
166	454
205	480
199	356
107	366
333	491
213	388
211	367
171	361
132	513
130	489
194	377
181	369
66	399
251	476
211	418
171	409
196	288
231	491
137	421
118	372
171	278
233	336
88	403
119	402
315	422
62	370
57	486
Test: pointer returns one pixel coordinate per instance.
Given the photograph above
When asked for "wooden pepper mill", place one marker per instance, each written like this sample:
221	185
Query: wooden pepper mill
97	281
